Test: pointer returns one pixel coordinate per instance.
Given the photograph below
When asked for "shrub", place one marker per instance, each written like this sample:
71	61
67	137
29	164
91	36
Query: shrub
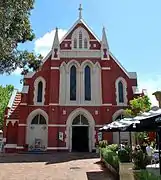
145	175
110	156
113	147
124	155
140	159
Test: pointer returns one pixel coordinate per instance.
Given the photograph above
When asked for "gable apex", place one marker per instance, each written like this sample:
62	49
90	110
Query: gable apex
77	23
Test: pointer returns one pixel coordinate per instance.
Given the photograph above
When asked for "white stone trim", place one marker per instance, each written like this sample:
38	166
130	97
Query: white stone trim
23	104
56	68
91	121
19	147
108	104
10	146
106	68
80	53
22	125
53	104
25	89
13	121
56	125
124	91
117	113
40	78
57	148
31	116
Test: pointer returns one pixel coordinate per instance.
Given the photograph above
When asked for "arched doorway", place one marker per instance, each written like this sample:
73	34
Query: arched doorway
80	134
90	125
37	133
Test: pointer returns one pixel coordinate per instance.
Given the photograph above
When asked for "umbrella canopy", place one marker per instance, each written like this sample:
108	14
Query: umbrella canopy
147	121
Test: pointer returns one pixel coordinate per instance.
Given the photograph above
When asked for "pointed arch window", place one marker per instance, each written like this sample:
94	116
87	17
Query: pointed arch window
85	43
73	83
121	92
39	92
80	39
75	43
87	84
38	119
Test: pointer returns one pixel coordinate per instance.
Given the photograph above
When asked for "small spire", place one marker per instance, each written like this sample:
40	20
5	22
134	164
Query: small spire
56	39
104	39
80	11
56	46
104	45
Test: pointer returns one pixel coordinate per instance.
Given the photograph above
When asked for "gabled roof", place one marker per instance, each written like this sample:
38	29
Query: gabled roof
75	24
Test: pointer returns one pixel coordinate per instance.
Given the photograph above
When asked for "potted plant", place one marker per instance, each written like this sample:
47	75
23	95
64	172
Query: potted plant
140	159
125	164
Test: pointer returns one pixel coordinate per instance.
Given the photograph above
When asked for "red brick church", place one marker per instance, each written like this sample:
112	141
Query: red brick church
80	87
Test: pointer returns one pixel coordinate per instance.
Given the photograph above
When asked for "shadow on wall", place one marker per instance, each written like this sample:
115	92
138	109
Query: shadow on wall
57	157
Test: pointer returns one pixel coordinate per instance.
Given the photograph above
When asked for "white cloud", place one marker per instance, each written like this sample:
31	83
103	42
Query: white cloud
17	72
151	84
44	43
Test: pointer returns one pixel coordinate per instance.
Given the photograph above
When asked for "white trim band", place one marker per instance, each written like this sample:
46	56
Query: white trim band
56	125
23	104
57	148
19	147
56	68
106	68
8	146
22	125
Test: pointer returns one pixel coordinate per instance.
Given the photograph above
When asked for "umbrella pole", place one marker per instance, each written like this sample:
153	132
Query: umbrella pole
119	138
130	140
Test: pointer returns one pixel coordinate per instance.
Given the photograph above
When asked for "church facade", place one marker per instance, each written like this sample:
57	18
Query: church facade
79	87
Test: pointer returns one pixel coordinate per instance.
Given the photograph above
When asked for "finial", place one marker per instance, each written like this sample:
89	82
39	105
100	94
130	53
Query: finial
80	11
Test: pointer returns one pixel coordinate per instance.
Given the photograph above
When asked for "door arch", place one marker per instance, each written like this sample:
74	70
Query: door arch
37	130
80	134
91	128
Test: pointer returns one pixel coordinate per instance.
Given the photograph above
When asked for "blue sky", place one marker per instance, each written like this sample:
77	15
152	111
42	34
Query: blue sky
133	32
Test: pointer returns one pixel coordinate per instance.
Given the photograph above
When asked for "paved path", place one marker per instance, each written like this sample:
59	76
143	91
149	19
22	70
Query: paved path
57	166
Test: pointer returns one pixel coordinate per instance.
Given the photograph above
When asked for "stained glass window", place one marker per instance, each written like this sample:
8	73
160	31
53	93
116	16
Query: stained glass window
121	92
80	39
87	83
73	83
39	93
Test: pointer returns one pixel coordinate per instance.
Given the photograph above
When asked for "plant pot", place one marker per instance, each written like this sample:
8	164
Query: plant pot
126	171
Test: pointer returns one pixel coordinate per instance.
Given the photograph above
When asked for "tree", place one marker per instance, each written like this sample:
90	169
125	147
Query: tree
5	94
15	29
137	106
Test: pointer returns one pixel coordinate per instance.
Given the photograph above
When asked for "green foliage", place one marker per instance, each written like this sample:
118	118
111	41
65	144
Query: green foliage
113	147
138	105
110	157
5	94
103	143
124	155
140	159
15	29
145	175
